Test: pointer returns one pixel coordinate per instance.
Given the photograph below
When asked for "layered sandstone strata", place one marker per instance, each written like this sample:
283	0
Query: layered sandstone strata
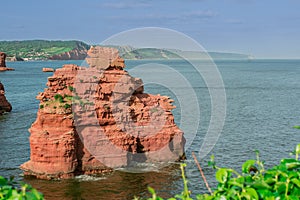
94	119
4	104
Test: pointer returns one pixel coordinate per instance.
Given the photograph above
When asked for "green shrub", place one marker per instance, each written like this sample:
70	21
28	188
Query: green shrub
9	191
71	88
59	98
41	106
66	106
280	182
68	97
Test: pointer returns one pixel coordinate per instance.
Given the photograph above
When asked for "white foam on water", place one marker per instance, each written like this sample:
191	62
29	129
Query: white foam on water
89	178
136	167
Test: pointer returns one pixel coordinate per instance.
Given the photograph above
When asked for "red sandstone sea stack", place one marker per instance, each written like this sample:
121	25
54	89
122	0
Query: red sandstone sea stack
3	64
94	119
4	104
2	59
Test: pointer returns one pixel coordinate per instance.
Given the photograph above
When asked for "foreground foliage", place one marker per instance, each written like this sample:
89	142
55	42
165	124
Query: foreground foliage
280	182
9	191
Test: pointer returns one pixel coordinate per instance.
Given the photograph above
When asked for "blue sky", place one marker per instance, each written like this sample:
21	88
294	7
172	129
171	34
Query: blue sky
263	28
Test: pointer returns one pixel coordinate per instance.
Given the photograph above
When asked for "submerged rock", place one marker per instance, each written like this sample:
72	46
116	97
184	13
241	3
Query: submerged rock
4	104
94	119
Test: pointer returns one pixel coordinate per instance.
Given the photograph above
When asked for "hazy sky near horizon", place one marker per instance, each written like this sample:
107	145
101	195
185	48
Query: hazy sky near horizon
263	28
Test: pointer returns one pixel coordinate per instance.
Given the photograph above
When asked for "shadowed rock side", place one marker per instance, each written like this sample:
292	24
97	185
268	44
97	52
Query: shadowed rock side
94	119
4	104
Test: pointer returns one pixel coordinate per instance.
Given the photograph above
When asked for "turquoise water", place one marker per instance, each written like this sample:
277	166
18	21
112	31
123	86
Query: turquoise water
262	107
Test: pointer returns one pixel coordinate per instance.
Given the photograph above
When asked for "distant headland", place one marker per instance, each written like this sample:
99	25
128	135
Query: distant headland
30	50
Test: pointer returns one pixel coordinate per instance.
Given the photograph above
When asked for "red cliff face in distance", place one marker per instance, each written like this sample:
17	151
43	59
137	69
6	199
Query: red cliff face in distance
94	119
4	104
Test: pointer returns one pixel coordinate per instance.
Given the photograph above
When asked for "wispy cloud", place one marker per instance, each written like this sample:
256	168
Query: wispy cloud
200	14
126	5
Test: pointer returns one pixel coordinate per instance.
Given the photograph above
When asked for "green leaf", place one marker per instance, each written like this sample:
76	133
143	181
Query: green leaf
212	162
248	165
297	151
291	163
260	184
235	182
264	193
270	181
253	194
296	182
297	127
281	187
151	190
270	198
222	175
3	181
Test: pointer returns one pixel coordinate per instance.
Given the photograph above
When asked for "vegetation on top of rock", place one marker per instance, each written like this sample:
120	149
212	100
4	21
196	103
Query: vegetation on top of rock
39	49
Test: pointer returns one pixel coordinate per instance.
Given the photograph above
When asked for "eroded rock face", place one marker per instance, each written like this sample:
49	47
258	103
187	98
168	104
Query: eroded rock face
4	104
94	119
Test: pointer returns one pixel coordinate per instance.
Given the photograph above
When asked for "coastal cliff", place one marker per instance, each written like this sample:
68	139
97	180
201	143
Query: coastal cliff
4	104
94	119
75	54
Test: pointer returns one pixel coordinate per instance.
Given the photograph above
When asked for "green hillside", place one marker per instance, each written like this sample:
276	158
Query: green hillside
131	53
54	50
39	49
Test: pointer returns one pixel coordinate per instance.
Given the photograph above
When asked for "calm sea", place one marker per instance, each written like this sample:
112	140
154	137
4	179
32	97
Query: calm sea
262	107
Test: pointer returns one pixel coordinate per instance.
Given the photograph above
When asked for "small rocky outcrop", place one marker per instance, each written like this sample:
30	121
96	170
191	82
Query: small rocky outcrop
3	64
4	104
94	119
15	59
48	69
